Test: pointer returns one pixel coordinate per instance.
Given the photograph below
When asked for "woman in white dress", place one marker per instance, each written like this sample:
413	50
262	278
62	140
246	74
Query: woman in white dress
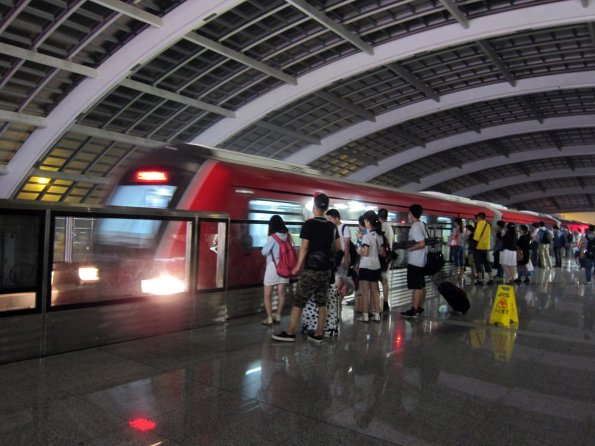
271	278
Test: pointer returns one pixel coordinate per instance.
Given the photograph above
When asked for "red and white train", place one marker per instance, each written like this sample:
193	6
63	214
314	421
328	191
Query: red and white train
250	190
178	245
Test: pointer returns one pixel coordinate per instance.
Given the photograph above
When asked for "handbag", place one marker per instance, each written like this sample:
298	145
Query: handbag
519	255
434	260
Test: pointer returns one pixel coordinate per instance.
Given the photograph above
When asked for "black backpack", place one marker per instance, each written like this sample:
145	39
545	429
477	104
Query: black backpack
545	237
590	252
386	259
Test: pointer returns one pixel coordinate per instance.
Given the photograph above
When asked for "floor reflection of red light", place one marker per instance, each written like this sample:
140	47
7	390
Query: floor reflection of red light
142	424
398	340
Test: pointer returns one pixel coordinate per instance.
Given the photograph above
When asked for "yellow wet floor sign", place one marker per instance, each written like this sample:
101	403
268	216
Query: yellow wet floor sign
504	310
502	343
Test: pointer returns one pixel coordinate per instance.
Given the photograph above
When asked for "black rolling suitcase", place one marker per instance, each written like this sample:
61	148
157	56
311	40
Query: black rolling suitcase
455	296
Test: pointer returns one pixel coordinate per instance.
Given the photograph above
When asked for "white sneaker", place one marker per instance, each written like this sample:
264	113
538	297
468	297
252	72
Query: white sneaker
363	318
375	317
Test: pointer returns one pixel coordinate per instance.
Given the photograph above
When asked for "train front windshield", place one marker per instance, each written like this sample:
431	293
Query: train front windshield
143	196
138	233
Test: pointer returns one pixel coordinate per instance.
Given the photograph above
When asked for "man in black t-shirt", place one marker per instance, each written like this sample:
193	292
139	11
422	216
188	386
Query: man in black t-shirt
316	258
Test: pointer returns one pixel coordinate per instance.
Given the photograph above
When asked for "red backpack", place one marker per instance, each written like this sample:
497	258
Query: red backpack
287	256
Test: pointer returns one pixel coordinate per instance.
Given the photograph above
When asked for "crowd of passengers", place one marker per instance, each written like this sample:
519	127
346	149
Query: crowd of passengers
327	259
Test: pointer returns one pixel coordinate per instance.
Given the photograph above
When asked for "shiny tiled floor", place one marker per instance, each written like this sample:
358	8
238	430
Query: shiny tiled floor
444	380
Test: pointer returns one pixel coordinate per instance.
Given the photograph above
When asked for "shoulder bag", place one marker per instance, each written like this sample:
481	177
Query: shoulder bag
434	260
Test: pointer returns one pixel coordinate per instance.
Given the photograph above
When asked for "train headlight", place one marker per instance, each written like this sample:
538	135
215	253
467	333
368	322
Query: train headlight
162	285
88	274
151	176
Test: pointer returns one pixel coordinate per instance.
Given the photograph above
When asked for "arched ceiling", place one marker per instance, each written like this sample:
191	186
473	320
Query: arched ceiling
493	100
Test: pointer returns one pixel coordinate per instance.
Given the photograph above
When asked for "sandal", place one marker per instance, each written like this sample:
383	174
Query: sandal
277	318
268	322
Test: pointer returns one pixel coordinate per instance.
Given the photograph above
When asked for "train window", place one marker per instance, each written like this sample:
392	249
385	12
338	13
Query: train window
144	196
350	211
263	210
132	232
19	251
135	232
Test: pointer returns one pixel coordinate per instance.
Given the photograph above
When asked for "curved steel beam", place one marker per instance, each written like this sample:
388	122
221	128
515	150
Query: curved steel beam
521	198
142	48
428	107
479	189
461	139
498	161
486	27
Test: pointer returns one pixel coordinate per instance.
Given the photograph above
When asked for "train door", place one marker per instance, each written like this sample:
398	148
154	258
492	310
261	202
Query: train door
211	272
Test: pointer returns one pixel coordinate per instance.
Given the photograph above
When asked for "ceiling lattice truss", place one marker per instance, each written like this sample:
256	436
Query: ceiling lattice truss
493	100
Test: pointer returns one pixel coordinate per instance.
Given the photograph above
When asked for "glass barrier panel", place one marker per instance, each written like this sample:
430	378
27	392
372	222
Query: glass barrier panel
401	236
103	259
19	268
246	262
443	233
211	255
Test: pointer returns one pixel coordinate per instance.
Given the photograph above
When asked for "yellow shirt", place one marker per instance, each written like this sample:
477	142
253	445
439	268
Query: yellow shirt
482	234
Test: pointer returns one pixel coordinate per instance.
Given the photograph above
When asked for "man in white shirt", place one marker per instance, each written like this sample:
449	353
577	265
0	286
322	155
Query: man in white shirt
387	229
416	261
